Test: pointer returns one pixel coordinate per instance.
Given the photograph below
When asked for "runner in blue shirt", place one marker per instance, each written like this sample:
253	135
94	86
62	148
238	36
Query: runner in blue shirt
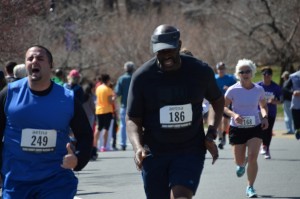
35	117
224	80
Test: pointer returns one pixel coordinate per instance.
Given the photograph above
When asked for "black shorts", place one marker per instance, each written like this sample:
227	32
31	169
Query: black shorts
242	135
296	118
104	121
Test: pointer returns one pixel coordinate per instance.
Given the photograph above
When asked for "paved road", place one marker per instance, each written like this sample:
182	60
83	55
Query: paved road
114	176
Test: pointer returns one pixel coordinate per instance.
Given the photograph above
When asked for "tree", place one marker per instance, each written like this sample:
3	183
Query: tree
262	30
84	35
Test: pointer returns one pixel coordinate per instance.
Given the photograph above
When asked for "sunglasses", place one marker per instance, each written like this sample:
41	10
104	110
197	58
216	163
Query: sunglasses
265	74
245	72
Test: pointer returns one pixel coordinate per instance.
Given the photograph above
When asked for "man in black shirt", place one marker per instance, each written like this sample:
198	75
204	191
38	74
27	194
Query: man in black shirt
164	117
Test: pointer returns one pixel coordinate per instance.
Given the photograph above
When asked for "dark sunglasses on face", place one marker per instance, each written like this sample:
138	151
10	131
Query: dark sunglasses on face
265	74
245	72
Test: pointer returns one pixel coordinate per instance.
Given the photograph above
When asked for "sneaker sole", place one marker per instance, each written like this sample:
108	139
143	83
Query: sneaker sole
253	196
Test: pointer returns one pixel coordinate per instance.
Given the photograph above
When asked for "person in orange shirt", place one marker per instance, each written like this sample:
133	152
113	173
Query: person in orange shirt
104	110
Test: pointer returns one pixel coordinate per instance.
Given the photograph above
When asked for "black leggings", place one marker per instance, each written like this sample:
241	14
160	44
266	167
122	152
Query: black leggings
267	134
296	118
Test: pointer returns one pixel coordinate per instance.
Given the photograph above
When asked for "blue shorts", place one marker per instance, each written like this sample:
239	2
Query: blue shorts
160	173
62	185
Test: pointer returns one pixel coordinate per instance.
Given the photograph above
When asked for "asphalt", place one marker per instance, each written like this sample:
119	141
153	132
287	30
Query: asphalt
114	176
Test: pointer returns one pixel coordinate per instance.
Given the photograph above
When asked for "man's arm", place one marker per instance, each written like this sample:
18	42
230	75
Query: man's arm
84	135
215	117
216	113
135	131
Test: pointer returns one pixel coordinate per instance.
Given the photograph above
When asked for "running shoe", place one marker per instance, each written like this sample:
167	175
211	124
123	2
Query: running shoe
297	134
240	170
220	145
102	149
250	192
263	150
267	154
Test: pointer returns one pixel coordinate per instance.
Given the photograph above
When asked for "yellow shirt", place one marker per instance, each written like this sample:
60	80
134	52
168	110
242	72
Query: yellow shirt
103	93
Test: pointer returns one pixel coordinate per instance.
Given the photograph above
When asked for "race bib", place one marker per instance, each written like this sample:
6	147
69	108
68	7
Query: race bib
269	96
38	140
176	116
248	121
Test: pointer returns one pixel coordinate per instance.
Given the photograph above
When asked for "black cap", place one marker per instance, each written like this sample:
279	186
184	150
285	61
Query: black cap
165	37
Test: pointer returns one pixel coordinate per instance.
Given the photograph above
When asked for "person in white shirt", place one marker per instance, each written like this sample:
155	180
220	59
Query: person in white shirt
247	121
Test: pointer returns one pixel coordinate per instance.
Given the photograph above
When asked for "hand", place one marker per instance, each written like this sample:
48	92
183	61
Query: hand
70	160
264	123
140	155
213	149
296	93
238	119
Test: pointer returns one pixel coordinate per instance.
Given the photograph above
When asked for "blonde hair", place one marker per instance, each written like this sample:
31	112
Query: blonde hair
245	62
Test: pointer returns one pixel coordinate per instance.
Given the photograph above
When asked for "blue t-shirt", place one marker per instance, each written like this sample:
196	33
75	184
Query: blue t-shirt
295	78
36	131
226	80
122	87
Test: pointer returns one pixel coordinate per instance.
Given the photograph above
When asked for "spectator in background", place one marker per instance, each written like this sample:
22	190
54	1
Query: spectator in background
89	108
224	80
286	100
121	90
98	82
89	102
73	84
9	69
2	80
20	71
186	52
293	85
59	76
115	126
104	110
272	95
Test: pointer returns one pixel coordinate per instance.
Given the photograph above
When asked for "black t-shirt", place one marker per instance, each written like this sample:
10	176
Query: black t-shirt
286	93
170	103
